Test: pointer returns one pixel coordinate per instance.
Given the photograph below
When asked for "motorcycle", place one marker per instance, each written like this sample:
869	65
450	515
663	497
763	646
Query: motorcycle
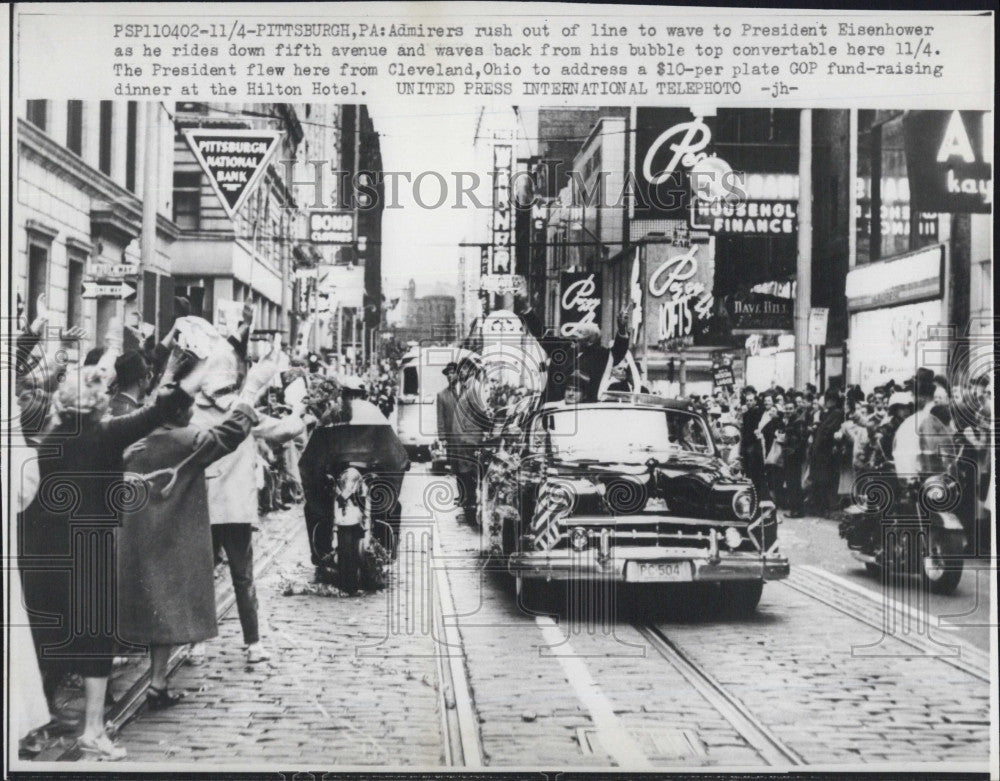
902	523
356	558
352	477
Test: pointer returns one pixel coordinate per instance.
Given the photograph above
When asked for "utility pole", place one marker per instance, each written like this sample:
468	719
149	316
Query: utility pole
150	186
364	337
285	321
852	218
354	336
852	192
340	336
803	271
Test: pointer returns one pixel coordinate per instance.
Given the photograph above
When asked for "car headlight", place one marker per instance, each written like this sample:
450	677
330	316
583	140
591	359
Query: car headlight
578	538
743	504
733	538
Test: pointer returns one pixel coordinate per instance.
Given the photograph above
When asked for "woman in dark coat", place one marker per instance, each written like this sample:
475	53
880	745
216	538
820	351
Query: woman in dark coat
824	468
165	557
68	533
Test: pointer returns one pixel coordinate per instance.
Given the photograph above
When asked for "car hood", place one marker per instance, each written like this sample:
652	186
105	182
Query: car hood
691	484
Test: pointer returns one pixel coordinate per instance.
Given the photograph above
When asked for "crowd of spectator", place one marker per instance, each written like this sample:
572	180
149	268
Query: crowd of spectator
805	449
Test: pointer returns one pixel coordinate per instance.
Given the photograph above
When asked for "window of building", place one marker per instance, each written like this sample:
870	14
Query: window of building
38	271
74	126
277	237
74	293
187	199
886	226
37	113
104	156
131	132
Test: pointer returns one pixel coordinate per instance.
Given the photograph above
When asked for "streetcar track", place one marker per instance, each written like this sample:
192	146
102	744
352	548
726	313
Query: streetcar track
771	749
459	721
459	726
855	604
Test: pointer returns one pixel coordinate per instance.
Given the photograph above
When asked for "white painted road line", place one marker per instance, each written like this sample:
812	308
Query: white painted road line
613	736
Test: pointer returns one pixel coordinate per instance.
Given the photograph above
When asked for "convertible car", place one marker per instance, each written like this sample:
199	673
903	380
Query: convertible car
629	489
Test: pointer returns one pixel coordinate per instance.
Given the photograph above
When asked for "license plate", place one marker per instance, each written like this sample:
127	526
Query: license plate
658	571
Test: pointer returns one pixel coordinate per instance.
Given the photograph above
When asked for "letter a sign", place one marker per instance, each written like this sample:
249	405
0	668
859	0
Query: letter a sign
234	160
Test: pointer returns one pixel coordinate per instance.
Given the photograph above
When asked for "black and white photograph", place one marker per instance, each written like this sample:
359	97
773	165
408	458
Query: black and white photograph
471	417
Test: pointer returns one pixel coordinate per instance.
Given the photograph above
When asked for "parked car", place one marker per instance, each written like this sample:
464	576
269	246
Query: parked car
630	489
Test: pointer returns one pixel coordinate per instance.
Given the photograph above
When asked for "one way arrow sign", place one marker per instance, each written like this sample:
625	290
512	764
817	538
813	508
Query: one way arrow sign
120	290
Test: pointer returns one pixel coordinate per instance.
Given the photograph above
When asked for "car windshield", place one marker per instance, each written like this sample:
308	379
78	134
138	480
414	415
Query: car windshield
619	433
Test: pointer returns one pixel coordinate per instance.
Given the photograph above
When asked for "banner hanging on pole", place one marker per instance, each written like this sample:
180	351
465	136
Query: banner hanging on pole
234	160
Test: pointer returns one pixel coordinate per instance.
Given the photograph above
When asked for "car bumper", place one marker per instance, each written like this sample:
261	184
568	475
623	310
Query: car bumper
570	565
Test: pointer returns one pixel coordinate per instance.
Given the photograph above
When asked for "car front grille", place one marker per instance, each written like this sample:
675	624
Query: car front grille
651	531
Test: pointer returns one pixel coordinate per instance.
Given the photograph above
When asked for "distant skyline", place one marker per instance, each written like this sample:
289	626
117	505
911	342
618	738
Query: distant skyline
434	287
419	243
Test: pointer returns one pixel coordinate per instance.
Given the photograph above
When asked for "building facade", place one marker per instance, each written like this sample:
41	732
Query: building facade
78	214
426	319
217	259
711	277
919	287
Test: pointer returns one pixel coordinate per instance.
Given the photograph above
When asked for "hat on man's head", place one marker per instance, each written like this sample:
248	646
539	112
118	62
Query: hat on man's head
130	367
450	368
923	383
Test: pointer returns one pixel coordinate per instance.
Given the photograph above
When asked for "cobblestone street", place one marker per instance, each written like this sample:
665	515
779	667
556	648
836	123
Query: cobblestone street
588	391
384	679
339	689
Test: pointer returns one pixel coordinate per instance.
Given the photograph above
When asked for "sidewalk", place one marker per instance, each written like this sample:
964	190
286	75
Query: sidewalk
128	682
339	690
